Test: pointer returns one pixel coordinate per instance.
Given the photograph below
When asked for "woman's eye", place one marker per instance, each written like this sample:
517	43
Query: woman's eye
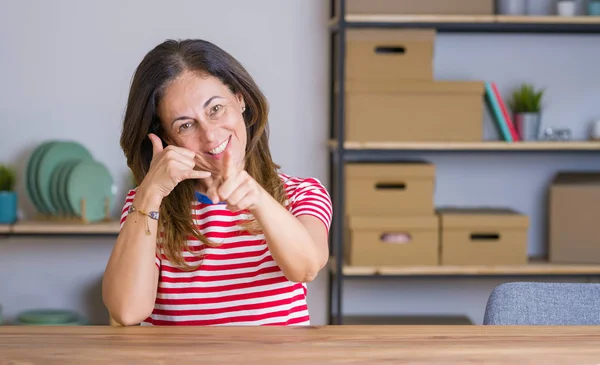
215	109
185	126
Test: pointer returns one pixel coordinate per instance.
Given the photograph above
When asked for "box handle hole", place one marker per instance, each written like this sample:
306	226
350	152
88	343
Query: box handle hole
395	237
393	50
390	186
485	236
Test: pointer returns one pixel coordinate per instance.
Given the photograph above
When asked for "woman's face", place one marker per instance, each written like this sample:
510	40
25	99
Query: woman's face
201	113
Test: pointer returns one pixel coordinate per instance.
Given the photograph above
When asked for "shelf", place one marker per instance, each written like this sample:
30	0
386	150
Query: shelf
392	151
550	19
534	268
351	19
472	146
407	320
4	228
476	23
63	228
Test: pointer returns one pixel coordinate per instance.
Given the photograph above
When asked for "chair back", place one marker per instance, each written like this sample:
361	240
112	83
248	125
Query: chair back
531	303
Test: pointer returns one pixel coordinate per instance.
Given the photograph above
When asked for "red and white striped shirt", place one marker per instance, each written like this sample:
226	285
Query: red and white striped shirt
237	282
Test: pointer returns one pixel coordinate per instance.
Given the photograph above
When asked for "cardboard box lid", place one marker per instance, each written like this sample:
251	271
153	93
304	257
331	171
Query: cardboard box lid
399	169
393	223
481	217
425	7
391	35
568	178
417	87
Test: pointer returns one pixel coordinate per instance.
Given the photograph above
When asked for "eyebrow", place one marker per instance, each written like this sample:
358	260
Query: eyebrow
203	106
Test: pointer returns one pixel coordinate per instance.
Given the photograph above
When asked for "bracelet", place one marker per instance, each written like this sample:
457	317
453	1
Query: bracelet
150	215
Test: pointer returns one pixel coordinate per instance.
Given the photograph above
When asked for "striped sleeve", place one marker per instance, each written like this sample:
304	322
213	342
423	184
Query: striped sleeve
311	198
125	212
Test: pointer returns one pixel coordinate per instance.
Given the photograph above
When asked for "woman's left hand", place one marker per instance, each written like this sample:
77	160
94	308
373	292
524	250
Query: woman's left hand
235	187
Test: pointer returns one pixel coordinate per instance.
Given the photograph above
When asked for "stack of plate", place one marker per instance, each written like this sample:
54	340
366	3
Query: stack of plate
50	317
63	179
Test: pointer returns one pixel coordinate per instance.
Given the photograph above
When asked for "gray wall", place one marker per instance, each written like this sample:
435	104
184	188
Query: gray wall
66	66
65	70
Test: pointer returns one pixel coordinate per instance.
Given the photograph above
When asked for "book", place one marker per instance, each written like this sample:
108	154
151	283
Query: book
496	112
507	119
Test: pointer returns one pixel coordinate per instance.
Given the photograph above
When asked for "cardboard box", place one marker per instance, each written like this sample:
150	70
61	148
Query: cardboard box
485	236
391	55
574	217
420	7
399	188
392	241
440	111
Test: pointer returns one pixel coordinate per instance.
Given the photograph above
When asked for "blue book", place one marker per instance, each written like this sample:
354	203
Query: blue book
496	112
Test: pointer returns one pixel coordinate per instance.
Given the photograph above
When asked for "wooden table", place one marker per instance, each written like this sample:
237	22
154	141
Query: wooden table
300	345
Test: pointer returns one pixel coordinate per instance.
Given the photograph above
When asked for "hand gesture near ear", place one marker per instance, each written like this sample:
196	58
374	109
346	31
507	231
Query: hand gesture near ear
169	167
235	187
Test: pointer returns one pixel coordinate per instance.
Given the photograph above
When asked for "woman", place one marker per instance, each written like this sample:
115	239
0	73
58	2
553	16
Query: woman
213	234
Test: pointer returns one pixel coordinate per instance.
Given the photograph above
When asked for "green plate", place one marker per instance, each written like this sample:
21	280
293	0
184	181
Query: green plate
57	187
54	188
48	317
62	191
54	156
90	180
31	173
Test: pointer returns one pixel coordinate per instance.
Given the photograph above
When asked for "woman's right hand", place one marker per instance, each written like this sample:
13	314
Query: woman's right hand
169	166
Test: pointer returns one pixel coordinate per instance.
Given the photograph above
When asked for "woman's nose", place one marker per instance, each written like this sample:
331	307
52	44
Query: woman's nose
207	131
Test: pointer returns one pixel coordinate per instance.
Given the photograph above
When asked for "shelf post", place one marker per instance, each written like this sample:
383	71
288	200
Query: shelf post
338	57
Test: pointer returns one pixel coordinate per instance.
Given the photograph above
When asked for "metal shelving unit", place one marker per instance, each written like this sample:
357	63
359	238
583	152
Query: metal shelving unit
347	151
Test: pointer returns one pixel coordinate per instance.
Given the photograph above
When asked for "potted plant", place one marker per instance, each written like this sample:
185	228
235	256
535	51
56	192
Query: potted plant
540	7
566	7
8	196
526	105
511	7
594	8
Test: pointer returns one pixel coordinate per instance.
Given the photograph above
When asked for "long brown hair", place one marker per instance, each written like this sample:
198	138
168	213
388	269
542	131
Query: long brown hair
158	68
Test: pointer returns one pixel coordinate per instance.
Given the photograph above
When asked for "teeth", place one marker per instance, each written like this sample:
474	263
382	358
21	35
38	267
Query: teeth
219	149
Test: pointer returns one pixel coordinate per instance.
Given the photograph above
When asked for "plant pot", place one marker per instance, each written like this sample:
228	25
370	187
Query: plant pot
566	8
8	207
511	7
541	7
594	8
528	125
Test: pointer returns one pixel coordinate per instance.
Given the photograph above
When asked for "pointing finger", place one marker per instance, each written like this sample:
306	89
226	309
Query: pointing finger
228	164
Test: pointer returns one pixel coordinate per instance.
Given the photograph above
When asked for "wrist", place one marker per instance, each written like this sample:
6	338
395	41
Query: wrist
146	199
261	204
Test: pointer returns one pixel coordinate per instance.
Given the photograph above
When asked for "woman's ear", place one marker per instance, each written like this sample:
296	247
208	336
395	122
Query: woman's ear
240	99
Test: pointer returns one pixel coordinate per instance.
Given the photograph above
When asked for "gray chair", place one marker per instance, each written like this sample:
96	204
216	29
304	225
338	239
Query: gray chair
543	304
